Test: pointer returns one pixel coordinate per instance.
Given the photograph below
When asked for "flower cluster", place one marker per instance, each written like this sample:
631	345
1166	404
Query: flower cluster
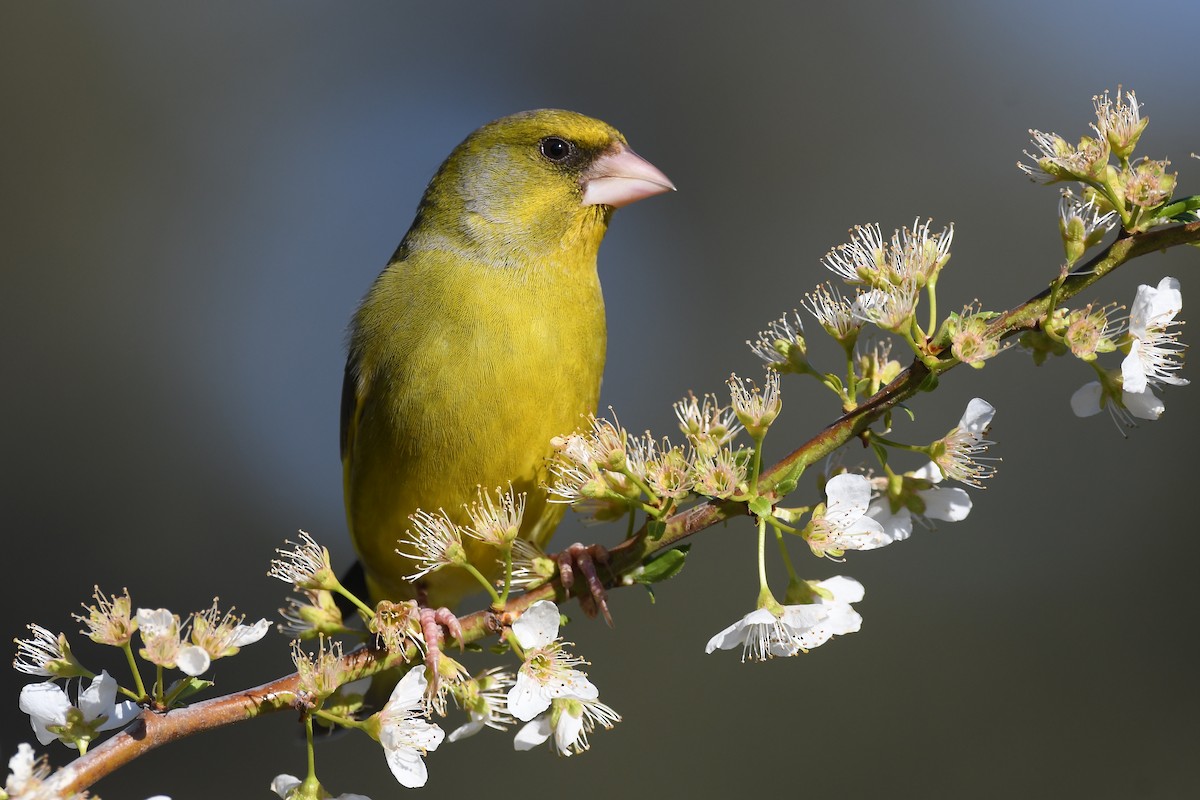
1133	191
167	642
550	695
605	472
1153	359
860	513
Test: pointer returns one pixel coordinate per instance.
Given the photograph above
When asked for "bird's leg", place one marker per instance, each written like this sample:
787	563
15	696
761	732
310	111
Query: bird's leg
585	558
433	621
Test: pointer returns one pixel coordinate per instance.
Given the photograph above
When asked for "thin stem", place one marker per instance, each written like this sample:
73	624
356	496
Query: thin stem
628	473
484	582
779	525
756	465
137	674
310	779
912	448
851	377
787	559
345	722
158	684
762	556
931	291
508	575
359	604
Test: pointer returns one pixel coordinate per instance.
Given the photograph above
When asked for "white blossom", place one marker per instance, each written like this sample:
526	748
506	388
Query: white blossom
1153	353
569	721
844	524
404	732
949	504
548	671
787	630
48	705
959	453
1089	399
486	703
162	636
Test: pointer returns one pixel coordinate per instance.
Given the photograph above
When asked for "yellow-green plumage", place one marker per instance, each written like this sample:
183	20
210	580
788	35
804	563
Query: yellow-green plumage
481	340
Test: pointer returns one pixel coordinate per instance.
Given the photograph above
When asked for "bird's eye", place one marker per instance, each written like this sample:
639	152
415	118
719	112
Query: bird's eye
555	149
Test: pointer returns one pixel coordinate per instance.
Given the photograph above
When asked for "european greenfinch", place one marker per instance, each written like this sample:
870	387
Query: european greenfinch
482	339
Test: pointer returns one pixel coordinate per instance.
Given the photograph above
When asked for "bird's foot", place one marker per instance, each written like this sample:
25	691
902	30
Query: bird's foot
593	599
433	622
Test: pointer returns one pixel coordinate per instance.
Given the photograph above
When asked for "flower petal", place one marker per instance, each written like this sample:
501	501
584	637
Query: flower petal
467	729
567	730
121	715
249	634
46	704
154	621
977	417
538	626
193	660
527	698
408	767
1143	405
951	504
1154	305
844	590
897	526
98	698
284	784
847	493
930	472
1086	400
533	733
1133	371
410	691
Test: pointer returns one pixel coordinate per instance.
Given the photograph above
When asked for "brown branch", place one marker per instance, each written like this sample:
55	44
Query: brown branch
156	729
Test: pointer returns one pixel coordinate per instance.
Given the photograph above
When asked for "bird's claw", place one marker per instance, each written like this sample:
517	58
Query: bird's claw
584	559
433	621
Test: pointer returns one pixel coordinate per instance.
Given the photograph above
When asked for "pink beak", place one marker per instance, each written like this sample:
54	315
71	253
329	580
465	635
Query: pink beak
620	177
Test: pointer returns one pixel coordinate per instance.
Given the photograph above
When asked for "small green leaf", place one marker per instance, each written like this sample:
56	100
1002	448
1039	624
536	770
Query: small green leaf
785	486
650	591
930	383
186	687
911	415
655	528
662	566
760	506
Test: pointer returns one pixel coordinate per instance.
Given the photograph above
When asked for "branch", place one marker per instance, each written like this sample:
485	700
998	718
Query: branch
155	729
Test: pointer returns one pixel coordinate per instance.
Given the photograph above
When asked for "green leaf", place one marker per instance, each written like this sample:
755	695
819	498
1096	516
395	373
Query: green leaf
929	384
655	528
662	566
911	414
760	506
650	591
186	687
785	486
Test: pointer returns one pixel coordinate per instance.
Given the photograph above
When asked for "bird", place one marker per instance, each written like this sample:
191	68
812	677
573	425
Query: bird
482	339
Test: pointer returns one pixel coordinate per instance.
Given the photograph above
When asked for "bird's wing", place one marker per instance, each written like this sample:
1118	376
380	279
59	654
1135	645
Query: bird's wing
352	403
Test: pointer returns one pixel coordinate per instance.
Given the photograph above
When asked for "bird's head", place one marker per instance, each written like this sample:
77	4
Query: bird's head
532	184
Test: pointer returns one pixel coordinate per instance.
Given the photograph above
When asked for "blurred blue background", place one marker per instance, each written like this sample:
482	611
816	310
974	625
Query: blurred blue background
194	198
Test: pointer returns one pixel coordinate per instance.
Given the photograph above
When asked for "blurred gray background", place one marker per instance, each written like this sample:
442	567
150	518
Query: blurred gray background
194	198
